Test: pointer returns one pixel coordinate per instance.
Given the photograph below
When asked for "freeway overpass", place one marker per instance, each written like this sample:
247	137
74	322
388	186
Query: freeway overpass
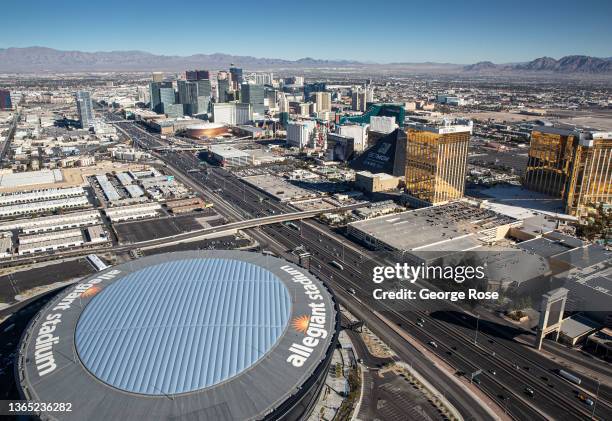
249	223
196	234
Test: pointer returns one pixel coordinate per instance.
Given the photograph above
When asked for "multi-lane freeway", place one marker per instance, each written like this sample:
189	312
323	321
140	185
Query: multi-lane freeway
507	369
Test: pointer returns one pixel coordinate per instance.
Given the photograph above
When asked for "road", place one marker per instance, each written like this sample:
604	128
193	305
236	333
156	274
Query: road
507	367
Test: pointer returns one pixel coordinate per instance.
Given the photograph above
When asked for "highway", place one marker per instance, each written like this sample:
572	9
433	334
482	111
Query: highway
508	368
9	137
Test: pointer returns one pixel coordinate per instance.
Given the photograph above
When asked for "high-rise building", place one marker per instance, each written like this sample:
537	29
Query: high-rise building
299	133
157	77
436	161
382	124
85	109
323	101
356	131
167	98
236	75
254	95
223	88
359	101
155	95
311	88
5	99
571	165
232	113
283	102
197	74
188	96
264	78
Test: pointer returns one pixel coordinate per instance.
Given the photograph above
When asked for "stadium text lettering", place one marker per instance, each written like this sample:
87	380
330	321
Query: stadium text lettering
43	347
314	325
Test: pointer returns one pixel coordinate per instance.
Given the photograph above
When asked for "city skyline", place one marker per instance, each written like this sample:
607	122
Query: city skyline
393	32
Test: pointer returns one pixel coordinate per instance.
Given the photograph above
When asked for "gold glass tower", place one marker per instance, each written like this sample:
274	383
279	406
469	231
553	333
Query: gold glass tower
591	179
436	162
551	154
573	166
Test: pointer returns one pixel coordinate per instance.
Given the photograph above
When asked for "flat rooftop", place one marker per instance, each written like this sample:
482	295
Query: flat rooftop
422	228
30	178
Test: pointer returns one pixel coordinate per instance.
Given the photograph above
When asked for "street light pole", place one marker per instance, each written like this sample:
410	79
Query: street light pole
476	336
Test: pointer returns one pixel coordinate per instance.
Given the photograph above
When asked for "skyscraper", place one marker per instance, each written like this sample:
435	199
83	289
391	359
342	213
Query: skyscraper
358	102
236	74
436	161
323	101
571	165
188	96
5	99
254	95
197	74
85	109
223	87
157	77
155	95
551	153
167	98
311	88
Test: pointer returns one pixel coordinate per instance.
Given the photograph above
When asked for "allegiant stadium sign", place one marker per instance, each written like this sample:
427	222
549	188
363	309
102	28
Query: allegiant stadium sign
311	325
46	339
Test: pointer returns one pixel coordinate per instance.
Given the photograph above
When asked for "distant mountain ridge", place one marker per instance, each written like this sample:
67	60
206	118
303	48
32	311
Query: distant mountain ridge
567	64
43	59
49	59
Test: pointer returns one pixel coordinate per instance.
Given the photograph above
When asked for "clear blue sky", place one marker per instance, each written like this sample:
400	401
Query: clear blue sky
376	30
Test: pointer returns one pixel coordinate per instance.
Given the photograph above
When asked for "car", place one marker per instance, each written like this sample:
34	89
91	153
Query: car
421	320
476	380
352	291
587	400
529	391
419	324
433	344
493	372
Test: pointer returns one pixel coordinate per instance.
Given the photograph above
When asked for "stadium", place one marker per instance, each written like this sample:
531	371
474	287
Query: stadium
207	335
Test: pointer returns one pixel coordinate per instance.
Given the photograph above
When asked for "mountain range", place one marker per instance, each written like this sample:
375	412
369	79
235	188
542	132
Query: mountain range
42	59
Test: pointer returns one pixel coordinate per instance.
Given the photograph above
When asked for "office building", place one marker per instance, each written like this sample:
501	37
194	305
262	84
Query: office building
436	161
85	109
236	75
300	133
5	99
571	165
323	101
253	95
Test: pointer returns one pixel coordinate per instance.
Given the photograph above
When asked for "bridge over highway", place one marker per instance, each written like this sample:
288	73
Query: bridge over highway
249	223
